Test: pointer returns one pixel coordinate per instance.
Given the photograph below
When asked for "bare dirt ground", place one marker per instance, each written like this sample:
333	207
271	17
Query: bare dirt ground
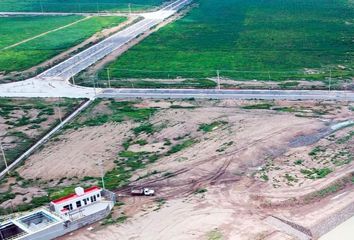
22	122
212	159
80	153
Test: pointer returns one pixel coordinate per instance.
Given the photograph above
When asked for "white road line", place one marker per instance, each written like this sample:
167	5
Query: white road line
43	34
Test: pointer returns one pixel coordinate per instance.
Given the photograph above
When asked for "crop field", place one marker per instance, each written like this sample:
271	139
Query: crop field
39	49
246	40
77	5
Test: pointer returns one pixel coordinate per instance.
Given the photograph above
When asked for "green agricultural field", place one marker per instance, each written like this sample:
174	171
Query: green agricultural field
35	51
16	29
248	39
77	5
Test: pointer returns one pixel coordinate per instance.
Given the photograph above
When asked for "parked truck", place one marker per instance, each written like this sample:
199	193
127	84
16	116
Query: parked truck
142	192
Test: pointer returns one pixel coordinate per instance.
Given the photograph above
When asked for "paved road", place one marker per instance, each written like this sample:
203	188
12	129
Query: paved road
55	81
91	55
229	94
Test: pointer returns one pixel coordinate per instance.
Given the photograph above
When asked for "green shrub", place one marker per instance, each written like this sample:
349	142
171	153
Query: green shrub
179	147
259	106
144	128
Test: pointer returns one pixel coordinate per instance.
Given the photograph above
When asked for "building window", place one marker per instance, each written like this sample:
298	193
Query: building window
78	204
68	207
85	201
98	195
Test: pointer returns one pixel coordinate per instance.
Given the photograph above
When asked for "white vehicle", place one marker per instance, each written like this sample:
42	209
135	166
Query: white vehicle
143	192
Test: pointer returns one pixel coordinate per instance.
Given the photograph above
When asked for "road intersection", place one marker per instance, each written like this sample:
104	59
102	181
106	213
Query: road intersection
54	82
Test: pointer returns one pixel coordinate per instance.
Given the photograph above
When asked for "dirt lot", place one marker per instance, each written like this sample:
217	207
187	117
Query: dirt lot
220	168
22	121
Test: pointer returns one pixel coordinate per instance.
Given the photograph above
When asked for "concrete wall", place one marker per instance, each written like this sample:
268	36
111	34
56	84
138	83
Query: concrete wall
60	229
333	221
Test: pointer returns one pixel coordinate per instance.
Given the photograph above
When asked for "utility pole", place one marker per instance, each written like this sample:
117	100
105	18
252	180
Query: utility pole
330	79
59	112
73	79
3	155
130	9
218	77
41	4
109	78
98	10
94	85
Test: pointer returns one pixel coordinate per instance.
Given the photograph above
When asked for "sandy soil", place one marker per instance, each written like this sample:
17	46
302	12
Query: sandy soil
225	163
77	153
232	207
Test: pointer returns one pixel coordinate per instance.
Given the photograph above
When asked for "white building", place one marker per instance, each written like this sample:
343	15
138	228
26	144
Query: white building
80	198
64	215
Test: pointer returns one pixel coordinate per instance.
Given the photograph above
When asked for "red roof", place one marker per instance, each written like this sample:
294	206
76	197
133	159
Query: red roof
73	195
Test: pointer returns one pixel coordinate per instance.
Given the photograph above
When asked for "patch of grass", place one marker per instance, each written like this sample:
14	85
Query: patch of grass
110	220
346	138
147	128
141	142
179	147
215	235
211	126
265	106
117	177
298	162
120	111
290	178
328	190
315	151
168	174
200	190
76	6
284	109
249	39
264	177
316	173
182	107
224	146
6	196
160	202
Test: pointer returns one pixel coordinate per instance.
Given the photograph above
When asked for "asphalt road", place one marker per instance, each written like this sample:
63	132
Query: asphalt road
84	59
229	94
55	81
